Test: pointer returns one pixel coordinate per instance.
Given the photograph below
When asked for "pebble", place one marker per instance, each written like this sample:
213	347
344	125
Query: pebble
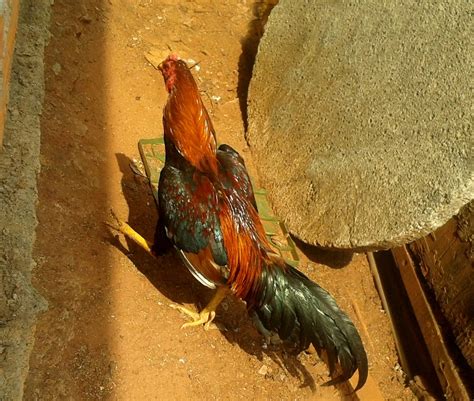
86	19
57	68
263	370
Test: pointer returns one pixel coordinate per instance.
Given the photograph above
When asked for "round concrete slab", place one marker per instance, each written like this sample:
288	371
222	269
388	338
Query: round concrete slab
360	118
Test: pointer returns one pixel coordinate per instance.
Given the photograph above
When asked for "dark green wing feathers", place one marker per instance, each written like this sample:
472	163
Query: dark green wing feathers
188	207
234	173
189	203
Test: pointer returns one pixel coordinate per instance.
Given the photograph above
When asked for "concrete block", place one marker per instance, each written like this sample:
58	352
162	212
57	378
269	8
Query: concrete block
8	25
360	118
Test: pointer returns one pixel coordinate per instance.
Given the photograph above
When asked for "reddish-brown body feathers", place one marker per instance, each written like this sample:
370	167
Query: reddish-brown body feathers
185	118
247	250
209	205
187	124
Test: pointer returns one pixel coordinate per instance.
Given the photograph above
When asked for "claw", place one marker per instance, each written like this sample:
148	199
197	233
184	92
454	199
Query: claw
129	232
118	224
205	317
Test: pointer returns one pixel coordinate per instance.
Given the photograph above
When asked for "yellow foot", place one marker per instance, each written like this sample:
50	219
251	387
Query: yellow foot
204	317
129	232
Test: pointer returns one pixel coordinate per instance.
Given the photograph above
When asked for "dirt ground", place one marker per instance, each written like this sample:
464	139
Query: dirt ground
109	332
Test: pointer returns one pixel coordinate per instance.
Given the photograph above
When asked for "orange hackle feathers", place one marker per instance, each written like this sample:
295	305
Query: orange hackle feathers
185	118
187	124
246	247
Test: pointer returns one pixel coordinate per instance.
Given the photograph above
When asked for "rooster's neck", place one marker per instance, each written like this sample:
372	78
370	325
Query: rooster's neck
188	127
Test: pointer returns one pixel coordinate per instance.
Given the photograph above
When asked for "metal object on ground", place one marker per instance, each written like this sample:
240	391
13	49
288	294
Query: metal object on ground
152	152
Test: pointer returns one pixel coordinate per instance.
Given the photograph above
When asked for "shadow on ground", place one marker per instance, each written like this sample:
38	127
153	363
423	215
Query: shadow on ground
333	258
261	11
171	278
73	199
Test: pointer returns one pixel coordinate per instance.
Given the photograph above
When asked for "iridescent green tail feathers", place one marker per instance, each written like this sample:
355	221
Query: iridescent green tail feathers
302	312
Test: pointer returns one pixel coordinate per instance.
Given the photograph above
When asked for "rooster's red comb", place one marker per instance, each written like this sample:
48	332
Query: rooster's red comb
173	57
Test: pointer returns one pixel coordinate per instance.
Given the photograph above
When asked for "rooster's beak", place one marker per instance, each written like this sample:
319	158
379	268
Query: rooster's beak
194	65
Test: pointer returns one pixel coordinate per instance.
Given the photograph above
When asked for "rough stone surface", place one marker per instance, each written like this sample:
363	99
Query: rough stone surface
19	165
360	118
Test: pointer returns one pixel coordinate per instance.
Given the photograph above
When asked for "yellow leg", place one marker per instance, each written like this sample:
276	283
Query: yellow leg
207	315
129	232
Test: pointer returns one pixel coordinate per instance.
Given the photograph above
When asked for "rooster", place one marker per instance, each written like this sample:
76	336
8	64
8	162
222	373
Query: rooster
208	213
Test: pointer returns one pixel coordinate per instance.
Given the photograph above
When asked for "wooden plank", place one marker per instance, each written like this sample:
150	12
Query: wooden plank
445	259
444	365
7	47
405	328
387	298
